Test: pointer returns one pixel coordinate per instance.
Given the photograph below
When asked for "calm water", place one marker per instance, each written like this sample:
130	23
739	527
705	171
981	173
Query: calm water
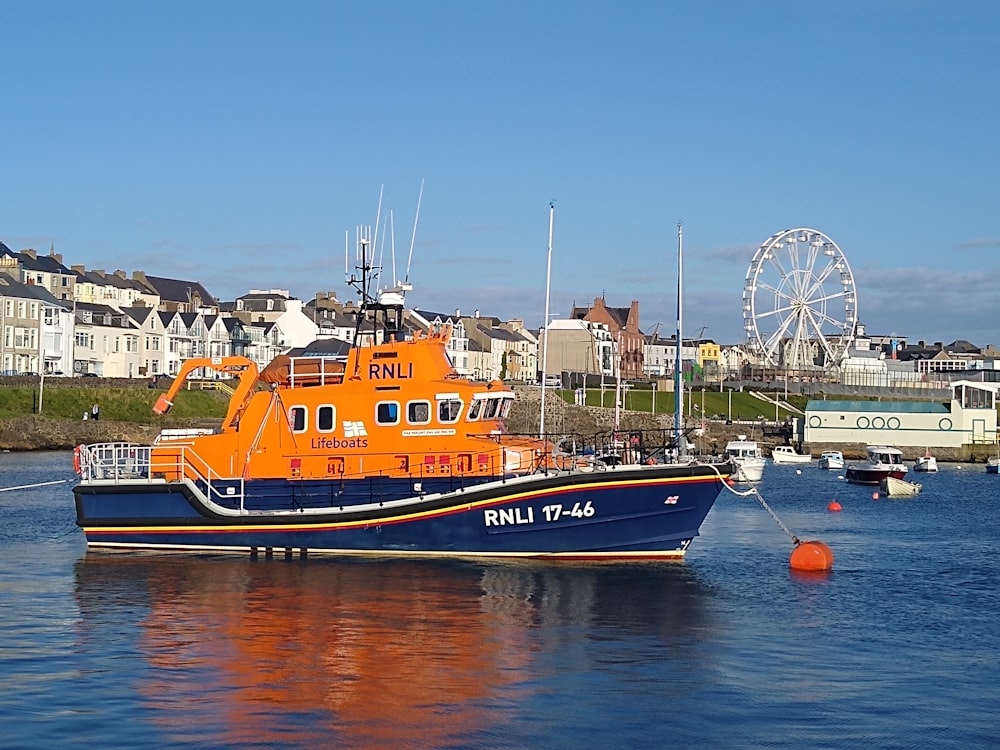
897	648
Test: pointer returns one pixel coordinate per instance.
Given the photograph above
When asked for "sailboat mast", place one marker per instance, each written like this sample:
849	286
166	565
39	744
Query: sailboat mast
545	322
678	375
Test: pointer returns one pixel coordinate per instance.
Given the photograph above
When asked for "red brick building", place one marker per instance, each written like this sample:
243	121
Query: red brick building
623	322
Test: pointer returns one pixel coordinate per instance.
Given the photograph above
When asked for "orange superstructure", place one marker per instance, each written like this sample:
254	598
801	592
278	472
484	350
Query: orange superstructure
385	410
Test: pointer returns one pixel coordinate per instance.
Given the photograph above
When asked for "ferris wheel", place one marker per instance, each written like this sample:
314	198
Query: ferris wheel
800	305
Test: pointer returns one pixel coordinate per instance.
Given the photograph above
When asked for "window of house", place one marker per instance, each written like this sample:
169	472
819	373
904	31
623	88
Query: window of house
387	413
418	412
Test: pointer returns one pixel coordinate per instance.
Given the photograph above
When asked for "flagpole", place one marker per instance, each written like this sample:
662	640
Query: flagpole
545	323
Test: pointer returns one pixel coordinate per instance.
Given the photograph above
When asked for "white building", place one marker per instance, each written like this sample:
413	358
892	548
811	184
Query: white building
969	418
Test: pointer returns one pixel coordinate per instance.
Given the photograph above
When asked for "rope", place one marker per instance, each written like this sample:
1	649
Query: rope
31	486
753	491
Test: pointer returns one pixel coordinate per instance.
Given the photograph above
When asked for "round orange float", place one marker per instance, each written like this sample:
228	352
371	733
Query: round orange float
833	506
811	556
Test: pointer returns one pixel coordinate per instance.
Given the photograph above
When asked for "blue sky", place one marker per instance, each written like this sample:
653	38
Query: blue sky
233	143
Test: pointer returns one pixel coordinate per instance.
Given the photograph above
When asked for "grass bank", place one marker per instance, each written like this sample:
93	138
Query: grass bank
121	404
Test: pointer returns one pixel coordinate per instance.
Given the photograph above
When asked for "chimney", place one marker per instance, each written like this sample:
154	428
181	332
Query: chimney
57	257
922	344
98	272
81	269
120	274
30	253
938	345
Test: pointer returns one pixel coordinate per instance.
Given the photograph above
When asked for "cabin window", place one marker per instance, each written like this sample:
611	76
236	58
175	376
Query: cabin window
492	408
387	413
418	412
449	410
297	418
325	418
505	408
476	410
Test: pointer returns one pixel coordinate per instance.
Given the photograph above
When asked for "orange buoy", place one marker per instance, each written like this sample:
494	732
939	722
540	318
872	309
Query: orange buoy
833	506
730	482
811	556
874	496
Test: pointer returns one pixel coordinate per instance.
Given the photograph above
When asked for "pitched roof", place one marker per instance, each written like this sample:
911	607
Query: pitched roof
11	287
138	314
45	263
177	290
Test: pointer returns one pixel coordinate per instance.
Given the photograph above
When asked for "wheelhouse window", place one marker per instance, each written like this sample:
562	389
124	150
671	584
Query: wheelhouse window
476	410
387	413
418	412
449	410
326	418
297	418
492	408
505	407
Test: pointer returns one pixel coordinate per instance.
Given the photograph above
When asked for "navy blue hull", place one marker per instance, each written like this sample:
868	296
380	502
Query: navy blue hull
639	511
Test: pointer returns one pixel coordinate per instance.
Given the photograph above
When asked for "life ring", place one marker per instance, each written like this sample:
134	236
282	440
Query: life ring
76	459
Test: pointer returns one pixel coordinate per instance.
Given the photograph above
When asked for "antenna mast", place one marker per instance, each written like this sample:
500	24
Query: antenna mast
545	323
413	239
678	375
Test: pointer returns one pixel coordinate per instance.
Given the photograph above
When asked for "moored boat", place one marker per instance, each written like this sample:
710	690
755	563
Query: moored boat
893	487
388	451
993	465
747	459
881	461
926	462
786	454
831	460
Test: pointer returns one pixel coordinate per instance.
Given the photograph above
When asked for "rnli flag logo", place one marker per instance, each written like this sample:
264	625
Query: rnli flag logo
354	429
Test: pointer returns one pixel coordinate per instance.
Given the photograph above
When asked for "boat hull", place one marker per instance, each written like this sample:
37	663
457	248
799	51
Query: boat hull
862	475
790	457
627	512
893	487
748	470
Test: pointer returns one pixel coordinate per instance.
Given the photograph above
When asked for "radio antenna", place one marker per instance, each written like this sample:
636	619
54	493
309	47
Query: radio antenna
413	239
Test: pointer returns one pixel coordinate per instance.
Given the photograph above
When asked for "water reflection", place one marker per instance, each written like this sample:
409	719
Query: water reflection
361	653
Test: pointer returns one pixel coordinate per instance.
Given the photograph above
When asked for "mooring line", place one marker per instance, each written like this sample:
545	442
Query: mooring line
31	486
754	491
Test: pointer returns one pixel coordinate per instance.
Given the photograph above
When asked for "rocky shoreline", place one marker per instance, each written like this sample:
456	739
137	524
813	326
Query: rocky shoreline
35	432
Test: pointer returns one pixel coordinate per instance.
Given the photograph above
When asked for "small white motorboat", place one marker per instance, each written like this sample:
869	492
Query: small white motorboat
747	459
786	454
831	460
893	487
926	462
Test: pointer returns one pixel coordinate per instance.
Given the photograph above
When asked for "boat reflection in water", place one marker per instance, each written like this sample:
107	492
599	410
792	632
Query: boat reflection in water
378	653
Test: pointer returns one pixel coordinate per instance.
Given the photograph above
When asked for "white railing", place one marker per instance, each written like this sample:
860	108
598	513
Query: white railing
128	462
